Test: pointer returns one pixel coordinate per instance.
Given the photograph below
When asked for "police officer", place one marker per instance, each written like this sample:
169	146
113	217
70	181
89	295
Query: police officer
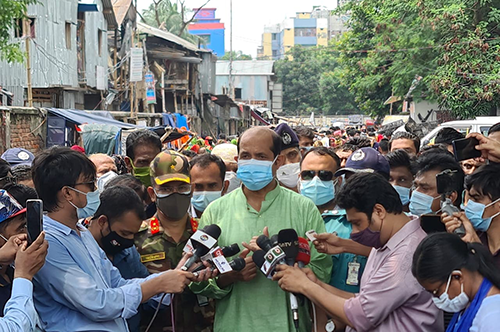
161	240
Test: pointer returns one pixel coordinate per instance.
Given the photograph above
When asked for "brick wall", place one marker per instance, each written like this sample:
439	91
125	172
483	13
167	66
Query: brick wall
23	128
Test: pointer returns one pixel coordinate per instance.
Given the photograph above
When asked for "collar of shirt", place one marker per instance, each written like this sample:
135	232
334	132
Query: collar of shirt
403	233
268	201
59	227
484	239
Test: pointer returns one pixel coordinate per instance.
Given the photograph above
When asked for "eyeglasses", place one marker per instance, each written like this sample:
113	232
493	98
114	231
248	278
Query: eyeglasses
183	189
8	179
322	175
91	184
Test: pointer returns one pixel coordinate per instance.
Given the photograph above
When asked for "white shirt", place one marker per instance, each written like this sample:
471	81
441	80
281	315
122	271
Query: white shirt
488	316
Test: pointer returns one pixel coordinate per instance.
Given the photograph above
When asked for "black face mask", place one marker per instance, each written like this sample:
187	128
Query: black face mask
150	210
174	206
113	243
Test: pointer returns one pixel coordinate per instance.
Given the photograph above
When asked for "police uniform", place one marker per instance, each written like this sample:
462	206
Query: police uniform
347	267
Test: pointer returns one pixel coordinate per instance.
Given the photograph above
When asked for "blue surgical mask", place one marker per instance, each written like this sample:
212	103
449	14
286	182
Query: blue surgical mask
255	174
201	199
90	208
474	212
421	203
404	194
320	192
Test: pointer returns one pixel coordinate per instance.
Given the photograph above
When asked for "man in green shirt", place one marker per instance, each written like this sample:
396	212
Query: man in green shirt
247	300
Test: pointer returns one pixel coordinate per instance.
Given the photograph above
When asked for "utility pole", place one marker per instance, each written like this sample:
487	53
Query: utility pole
28	61
231	87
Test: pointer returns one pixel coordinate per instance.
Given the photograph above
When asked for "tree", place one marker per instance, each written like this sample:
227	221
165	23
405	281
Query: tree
237	55
172	16
452	44
11	12
309	84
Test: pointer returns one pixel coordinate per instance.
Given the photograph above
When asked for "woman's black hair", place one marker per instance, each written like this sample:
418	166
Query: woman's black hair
439	254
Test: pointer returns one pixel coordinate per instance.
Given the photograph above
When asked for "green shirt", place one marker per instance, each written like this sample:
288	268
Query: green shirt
260	304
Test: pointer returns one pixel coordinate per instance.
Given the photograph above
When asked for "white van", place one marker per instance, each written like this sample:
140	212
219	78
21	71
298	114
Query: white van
481	124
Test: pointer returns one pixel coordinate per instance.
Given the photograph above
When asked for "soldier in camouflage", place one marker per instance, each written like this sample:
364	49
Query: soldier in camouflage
161	240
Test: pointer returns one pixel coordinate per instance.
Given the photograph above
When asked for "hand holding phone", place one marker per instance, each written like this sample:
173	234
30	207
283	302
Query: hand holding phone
465	148
34	218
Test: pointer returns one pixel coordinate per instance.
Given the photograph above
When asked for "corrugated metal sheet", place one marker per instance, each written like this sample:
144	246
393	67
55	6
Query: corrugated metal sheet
252	87
144	28
207	73
252	67
109	14
95	21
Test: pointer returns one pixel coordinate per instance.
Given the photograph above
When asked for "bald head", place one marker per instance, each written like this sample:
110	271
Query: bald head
103	163
261	137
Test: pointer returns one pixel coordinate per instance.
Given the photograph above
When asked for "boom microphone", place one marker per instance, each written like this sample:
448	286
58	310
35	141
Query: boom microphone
202	240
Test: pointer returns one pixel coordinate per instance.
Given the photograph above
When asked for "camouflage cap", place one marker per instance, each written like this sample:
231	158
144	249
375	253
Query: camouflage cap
169	166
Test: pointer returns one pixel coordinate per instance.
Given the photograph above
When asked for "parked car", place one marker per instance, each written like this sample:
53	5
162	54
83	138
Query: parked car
481	124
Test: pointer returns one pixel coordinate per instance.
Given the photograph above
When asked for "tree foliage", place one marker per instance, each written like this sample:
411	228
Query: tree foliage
309	83
452	44
237	55
172	16
11	10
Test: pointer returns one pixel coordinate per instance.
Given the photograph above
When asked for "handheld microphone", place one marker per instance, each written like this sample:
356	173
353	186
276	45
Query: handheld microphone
229	251
304	255
274	240
202	240
289	241
264	243
236	264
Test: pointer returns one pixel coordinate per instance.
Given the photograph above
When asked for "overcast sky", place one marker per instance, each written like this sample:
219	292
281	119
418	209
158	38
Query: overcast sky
250	17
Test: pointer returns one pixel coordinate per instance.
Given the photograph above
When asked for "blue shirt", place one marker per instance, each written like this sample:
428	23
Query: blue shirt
336	221
128	262
19	313
78	288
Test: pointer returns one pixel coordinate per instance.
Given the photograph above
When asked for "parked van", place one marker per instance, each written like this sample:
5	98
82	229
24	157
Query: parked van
481	124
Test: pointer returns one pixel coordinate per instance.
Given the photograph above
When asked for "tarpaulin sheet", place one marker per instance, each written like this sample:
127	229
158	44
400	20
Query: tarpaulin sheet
81	117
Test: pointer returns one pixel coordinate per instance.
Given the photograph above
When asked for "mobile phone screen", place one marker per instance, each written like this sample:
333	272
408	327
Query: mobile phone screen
34	218
431	223
465	148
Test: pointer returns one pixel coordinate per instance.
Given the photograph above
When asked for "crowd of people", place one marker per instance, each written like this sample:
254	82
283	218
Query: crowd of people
382	253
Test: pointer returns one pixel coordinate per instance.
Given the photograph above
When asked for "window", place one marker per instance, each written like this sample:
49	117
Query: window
274	36
99	41
20	27
237	93
67	32
275	53
305	32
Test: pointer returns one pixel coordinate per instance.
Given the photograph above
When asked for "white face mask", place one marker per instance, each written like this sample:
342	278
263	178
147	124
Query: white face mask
234	182
456	304
289	174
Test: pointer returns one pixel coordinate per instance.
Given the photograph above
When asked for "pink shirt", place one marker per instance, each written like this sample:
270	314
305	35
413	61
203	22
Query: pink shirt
390	298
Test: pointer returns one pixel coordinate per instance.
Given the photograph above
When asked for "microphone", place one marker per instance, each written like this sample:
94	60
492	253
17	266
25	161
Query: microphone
304	255
236	264
289	241
264	243
229	251
274	240
202	241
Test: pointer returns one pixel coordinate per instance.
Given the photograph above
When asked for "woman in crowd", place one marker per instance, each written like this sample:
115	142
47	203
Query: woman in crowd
462	278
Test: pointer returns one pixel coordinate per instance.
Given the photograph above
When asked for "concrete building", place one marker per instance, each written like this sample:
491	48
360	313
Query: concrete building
210	29
313	28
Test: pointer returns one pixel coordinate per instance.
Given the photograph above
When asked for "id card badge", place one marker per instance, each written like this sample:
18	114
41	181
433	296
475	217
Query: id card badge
202	300
353	273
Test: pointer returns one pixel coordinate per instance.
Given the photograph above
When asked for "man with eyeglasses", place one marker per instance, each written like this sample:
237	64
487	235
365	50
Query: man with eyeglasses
319	183
161	241
78	288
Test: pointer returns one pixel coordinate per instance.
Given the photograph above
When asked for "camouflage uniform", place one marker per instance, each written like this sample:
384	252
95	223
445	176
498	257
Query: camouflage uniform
159	252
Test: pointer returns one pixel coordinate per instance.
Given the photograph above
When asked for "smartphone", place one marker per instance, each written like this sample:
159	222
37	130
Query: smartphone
465	148
34	218
431	223
311	235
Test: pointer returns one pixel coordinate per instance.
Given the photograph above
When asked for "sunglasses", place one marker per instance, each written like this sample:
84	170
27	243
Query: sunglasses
322	175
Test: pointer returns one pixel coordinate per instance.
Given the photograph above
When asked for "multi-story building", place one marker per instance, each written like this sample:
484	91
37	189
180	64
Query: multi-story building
306	28
210	29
